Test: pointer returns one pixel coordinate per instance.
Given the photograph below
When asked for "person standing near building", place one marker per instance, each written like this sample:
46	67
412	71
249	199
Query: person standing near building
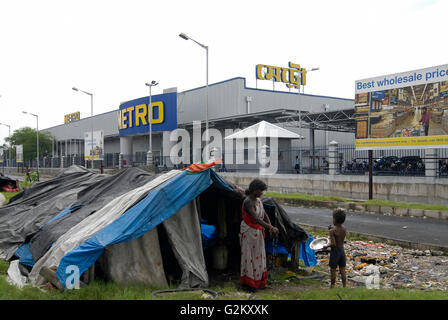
425	120
253	255
297	166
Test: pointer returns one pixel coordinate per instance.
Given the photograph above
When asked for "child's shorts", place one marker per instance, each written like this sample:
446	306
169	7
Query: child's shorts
337	257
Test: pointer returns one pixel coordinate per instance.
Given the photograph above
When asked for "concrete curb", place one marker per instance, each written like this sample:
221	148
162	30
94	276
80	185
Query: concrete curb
367	208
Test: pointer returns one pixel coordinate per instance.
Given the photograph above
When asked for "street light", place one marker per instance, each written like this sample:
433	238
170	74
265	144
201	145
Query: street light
91	118
300	122
313	69
185	37
149	154
9	149
37	137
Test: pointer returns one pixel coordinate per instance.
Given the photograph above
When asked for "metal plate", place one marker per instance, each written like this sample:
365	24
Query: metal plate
319	243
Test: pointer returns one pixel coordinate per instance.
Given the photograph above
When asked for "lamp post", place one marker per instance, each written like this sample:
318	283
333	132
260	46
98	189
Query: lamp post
300	123
149	154
37	138
313	69
91	119
185	37
9	135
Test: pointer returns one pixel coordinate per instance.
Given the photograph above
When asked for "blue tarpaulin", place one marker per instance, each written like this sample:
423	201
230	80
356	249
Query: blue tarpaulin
160	204
63	213
24	255
209	235
279	248
307	254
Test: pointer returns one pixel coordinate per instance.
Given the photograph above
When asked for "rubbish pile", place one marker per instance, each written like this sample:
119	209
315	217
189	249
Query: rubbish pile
391	267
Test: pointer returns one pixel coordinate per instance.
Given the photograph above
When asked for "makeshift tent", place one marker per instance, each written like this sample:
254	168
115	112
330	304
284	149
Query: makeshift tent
30	209
7	184
146	233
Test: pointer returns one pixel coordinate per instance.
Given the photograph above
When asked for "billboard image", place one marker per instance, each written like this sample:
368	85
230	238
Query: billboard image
406	110
19	153
98	145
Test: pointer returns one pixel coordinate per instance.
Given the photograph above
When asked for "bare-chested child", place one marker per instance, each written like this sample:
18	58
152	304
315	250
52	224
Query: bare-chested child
337	253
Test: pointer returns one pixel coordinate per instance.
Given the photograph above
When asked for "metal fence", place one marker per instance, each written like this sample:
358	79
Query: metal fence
411	162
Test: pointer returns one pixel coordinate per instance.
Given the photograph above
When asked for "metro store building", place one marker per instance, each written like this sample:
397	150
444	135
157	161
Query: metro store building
231	105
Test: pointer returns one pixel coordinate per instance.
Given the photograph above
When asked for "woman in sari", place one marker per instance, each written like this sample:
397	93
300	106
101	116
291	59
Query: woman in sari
255	220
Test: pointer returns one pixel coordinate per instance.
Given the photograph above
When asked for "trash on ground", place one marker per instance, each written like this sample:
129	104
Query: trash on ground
389	266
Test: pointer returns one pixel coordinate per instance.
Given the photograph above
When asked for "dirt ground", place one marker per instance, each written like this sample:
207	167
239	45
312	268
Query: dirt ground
394	267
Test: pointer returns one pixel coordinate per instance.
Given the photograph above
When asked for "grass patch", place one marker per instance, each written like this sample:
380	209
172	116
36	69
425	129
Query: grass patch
423	206
8	195
437	207
303	196
366	294
293	290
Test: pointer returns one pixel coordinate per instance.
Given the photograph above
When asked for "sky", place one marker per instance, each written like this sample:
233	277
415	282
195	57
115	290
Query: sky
112	48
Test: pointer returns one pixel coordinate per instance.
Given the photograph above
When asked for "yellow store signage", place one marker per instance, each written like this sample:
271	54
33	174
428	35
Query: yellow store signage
294	76
75	116
401	143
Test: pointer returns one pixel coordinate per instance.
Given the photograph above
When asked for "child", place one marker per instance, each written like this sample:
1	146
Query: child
337	253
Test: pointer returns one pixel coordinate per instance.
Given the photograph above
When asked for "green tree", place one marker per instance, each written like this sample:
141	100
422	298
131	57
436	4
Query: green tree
27	137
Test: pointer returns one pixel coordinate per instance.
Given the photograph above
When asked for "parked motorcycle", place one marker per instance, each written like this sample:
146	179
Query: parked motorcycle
443	167
356	165
385	163
411	164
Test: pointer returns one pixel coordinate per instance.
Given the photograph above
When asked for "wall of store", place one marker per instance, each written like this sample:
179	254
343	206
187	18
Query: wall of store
226	99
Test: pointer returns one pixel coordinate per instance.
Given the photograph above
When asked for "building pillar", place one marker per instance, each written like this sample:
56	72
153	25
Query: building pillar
120	160
166	148
126	150
332	157
264	160
61	164
430	162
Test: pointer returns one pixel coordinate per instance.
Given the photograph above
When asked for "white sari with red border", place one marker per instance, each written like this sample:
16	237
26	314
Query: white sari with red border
253	254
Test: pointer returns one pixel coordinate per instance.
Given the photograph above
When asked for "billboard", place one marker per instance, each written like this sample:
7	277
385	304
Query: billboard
19	153
98	145
133	115
407	110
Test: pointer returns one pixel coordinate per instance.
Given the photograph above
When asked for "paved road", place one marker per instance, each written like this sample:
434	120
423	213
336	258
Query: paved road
417	230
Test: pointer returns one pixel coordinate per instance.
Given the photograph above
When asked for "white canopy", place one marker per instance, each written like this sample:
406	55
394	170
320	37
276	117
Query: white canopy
264	129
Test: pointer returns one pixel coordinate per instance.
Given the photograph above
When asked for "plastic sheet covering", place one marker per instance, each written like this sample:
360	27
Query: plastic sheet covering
88	201
160	204
307	254
290	232
277	248
30	209
136	261
184	234
209	235
24	255
97	221
14	276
